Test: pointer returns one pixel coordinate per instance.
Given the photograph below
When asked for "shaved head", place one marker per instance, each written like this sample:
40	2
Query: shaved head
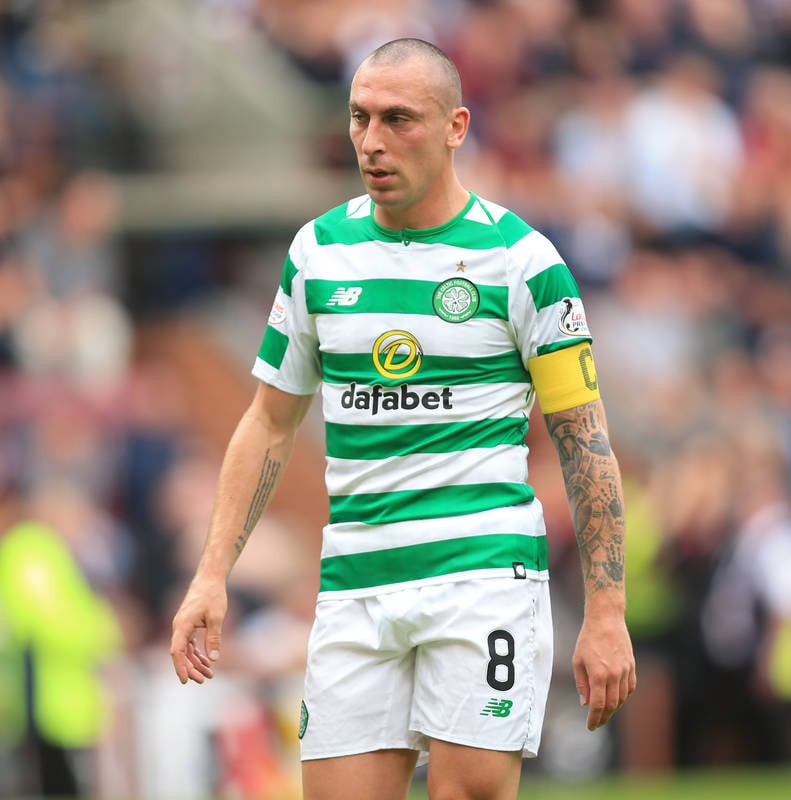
405	122
400	51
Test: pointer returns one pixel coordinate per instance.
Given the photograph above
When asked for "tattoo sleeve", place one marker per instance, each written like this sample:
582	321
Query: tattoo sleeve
267	481
593	487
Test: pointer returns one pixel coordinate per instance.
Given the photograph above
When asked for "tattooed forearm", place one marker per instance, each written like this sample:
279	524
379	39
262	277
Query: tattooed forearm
593	486
267	481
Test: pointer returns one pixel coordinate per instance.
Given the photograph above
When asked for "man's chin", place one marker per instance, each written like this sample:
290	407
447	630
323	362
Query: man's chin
383	196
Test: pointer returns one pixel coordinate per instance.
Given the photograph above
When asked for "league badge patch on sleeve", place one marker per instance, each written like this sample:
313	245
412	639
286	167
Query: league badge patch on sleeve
572	318
278	312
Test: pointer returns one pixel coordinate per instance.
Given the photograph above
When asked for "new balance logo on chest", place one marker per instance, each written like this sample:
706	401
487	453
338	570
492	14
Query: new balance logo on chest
345	296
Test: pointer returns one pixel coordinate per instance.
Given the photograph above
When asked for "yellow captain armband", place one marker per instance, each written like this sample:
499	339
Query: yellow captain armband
564	378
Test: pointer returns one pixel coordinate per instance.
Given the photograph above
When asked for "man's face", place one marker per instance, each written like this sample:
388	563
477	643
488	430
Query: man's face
401	131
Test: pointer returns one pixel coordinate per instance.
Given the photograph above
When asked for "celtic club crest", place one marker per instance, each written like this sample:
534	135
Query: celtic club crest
456	300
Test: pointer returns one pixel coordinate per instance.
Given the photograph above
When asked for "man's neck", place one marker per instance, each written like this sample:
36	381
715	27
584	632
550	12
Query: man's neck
429	213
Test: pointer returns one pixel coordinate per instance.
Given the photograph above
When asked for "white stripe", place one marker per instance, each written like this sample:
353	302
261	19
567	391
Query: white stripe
421	261
475	338
353	537
536	253
426	470
278	378
359	207
474	401
497	211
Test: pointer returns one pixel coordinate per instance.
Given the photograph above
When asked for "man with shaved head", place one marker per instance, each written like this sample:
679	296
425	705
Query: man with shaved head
416	93
431	320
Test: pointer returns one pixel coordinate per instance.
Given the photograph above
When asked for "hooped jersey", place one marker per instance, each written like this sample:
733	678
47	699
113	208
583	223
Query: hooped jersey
420	342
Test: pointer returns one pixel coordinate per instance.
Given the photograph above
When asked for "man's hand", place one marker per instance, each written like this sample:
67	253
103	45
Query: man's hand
203	609
604	667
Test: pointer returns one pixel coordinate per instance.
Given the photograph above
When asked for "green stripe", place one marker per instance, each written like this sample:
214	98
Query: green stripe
551	285
338	216
396	296
273	347
432	559
287	277
382	441
335	227
464	233
512	228
383	507
435	370
543	349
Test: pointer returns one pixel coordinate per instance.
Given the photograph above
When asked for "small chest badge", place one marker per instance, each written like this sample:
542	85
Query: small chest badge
456	300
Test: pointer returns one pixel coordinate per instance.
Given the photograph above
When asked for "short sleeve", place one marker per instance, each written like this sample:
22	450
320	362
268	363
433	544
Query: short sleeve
289	357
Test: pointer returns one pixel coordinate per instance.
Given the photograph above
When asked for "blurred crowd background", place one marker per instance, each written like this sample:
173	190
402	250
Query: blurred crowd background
156	156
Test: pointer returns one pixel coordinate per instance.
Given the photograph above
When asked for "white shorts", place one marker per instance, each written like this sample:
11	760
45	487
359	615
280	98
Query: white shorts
467	662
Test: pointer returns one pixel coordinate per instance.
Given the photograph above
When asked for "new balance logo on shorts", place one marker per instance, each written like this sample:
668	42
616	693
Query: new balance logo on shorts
343	296
497	708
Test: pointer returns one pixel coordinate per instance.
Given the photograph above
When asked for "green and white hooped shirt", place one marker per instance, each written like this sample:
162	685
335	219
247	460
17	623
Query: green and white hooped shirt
419	340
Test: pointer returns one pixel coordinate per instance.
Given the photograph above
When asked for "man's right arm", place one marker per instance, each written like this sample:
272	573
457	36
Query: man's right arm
252	467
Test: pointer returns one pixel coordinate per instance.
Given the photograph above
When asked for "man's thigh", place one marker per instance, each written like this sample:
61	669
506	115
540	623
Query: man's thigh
456	772
379	775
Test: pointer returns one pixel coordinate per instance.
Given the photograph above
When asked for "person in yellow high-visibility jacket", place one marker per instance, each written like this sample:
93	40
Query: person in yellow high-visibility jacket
56	630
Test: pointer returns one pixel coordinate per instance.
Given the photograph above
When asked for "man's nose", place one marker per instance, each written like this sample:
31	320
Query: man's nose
372	140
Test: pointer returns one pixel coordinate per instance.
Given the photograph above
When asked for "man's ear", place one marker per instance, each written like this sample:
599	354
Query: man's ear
459	125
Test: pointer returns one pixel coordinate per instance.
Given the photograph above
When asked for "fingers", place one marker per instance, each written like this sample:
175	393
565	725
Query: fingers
198	666
628	684
607	694
202	612
583	686
603	703
178	652
188	661
597	706
213	638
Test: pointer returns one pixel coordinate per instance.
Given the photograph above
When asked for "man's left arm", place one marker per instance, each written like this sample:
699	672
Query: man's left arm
604	666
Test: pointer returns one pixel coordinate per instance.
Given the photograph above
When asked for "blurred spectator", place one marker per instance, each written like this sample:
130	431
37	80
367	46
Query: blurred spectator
589	142
684	152
691	492
760	223
357	34
70	243
773	361
647	340
748	603
59	631
650	31
726	34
